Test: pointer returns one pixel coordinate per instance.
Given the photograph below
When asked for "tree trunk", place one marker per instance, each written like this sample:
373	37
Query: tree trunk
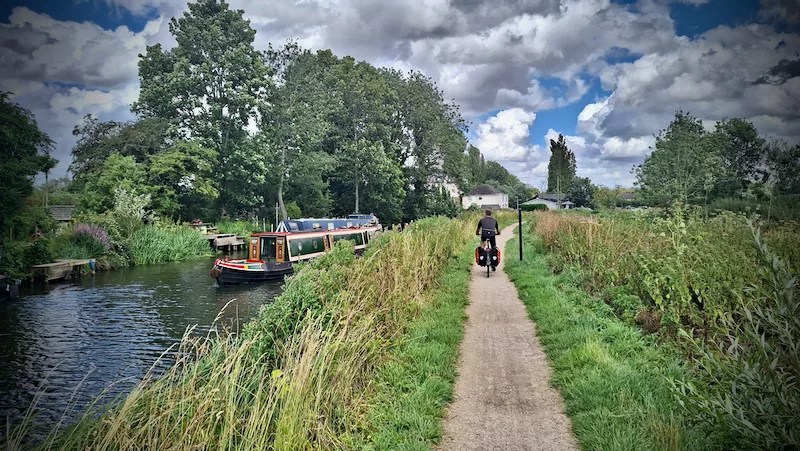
356	210
281	205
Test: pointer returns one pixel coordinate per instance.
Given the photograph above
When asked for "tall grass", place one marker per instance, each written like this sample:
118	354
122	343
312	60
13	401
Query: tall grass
611	375
300	376
166	243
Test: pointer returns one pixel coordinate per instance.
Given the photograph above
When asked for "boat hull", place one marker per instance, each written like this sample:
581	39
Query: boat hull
235	272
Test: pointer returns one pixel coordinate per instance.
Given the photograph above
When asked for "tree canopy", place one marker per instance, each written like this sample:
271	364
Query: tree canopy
282	126
561	168
25	152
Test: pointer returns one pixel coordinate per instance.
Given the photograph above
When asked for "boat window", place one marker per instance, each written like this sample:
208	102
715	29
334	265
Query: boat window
268	248
293	227
316	226
331	226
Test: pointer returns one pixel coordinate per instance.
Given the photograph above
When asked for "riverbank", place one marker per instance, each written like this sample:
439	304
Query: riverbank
304	374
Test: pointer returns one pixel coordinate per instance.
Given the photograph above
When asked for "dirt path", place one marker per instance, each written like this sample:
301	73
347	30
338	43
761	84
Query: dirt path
503	399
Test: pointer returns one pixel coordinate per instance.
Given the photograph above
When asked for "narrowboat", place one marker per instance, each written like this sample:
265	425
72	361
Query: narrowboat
271	254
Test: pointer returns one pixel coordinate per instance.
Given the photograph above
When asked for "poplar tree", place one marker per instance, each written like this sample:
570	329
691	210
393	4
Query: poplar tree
562	167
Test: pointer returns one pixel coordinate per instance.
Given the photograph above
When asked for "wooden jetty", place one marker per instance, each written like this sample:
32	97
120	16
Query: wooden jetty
227	241
59	269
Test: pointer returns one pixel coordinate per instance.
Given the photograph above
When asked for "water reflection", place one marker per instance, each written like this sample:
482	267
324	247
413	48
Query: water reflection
72	341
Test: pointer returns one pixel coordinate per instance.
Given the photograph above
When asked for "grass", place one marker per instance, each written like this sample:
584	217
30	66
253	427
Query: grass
166	243
416	384
614	379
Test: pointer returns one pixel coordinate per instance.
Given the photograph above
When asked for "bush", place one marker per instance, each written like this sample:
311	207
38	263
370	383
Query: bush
750	379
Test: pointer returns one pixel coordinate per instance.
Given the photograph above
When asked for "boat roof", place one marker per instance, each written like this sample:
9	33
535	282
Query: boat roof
357	228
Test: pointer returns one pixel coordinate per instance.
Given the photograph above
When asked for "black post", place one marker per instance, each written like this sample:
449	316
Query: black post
519	227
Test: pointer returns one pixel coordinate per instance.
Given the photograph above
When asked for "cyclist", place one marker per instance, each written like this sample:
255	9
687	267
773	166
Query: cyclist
488	229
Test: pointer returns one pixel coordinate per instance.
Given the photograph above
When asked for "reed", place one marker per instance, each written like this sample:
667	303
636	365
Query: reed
166	243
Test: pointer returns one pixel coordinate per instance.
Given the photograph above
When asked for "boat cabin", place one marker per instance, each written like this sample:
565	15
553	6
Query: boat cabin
278	247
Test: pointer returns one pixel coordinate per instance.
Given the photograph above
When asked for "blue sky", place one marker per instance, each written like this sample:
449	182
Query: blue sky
606	74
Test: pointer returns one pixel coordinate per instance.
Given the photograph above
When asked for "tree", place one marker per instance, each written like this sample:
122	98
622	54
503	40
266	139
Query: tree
561	168
581	193
296	121
784	167
97	140
117	172
684	166
25	151
211	85
181	180
741	150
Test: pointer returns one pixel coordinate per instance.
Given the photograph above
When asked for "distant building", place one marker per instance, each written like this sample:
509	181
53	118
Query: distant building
62	213
484	196
553	201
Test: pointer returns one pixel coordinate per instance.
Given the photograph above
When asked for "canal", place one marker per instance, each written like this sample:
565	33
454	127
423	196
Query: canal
68	344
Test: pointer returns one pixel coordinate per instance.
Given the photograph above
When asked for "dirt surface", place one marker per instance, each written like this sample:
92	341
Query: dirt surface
503	399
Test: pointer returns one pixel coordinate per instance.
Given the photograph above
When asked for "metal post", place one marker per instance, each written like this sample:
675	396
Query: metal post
519	227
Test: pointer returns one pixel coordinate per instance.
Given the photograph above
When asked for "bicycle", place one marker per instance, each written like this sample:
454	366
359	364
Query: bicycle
486	257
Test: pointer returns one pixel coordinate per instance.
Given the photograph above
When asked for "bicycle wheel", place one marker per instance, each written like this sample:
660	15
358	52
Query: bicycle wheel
488	262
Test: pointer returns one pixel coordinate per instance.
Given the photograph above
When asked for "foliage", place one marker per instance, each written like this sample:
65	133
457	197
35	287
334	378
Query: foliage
749	381
684	166
561	168
98	140
210	85
611	375
25	151
784	165
118	172
182	180
167	242
581	192
683	269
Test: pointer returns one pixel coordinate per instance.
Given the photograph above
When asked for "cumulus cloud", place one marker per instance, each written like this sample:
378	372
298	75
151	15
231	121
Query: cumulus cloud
63	70
506	135
519	58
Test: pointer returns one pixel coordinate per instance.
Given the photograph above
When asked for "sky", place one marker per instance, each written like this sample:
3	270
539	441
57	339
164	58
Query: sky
608	75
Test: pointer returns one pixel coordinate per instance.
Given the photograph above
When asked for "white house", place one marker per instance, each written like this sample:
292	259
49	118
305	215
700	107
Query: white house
552	201
484	196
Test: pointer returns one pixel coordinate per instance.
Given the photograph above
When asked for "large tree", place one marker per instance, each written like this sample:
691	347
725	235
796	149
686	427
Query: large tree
25	151
741	152
684	166
211	85
97	140
561	168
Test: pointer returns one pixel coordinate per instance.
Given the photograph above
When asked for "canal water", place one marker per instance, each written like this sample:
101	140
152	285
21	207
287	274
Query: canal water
66	344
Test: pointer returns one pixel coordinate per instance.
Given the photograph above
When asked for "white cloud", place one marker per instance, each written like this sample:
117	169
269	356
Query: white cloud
513	57
506	136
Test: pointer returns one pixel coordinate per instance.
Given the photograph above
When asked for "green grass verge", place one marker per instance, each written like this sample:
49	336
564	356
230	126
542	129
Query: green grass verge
416	385
614	380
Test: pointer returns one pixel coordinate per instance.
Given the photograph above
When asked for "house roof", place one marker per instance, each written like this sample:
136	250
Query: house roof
61	212
555	197
482	189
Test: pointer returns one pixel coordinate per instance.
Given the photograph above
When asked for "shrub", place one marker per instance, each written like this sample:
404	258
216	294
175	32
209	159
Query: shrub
750	379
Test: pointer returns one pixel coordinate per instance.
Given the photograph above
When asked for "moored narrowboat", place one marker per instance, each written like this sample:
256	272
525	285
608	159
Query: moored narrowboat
271	254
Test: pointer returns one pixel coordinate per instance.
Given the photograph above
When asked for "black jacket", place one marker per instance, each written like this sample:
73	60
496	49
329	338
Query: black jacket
488	227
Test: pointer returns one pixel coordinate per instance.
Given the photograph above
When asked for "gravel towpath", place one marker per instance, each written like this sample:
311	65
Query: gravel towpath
503	399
